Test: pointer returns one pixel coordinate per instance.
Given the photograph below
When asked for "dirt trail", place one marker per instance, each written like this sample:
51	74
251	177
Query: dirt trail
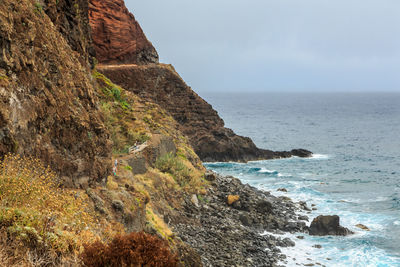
117	66
138	149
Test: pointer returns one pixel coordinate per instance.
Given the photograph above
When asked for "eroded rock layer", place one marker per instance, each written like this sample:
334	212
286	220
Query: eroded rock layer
117	36
48	104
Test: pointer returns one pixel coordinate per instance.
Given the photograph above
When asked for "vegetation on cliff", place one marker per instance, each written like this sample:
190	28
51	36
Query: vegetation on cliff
48	102
56	112
52	224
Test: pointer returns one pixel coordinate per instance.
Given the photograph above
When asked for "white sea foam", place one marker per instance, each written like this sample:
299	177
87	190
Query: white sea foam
335	251
320	156
263	170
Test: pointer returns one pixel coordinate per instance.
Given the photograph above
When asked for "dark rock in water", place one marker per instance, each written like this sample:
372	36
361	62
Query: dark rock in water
304	206
317	246
363	227
303	218
328	225
301	153
282	189
286	242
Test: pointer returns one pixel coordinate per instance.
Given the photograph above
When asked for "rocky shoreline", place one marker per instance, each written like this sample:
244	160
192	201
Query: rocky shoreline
237	225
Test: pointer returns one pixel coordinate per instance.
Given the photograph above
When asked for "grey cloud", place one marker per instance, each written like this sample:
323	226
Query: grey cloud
274	45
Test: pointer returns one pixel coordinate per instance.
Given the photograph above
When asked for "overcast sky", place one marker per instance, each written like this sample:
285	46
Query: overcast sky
277	45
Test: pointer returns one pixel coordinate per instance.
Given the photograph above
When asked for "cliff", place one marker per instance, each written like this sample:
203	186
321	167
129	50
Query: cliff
197	119
117	36
112	26
56	109
48	104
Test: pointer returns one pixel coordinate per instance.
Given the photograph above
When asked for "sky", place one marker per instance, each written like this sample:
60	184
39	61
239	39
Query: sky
277	45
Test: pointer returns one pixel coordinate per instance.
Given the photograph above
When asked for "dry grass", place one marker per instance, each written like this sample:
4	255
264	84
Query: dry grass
37	212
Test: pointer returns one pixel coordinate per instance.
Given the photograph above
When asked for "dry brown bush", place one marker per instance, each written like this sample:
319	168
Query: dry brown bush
134	249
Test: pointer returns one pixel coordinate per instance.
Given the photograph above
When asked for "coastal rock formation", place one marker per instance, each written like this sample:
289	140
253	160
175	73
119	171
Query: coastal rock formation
197	119
48	106
117	36
328	225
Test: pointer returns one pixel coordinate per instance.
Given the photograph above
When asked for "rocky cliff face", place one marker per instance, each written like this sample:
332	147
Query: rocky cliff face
197	119
48	105
117	36
71	20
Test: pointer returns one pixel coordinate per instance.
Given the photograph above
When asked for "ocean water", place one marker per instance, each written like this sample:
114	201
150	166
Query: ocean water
355	172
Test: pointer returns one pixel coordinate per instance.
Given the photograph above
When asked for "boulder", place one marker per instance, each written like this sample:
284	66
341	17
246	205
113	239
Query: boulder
264	206
138	164
363	227
245	220
232	199
194	200
118	205
328	225
210	176
303	218
302	153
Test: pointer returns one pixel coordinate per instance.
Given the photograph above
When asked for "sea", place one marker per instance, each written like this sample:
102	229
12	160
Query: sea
354	173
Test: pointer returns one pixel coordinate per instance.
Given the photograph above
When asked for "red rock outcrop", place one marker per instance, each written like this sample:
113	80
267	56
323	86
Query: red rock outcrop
48	105
117	36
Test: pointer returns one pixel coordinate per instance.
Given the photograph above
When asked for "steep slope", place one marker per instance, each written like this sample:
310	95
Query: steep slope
160	83
197	119
117	36
71	20
48	103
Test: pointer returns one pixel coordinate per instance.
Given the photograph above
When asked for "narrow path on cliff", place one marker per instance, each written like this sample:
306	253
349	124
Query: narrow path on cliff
115	66
134	150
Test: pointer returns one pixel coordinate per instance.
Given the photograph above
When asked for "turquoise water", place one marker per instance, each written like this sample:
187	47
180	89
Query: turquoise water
355	172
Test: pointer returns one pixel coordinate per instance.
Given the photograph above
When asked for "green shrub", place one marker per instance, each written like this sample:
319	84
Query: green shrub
38	7
128	168
173	165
